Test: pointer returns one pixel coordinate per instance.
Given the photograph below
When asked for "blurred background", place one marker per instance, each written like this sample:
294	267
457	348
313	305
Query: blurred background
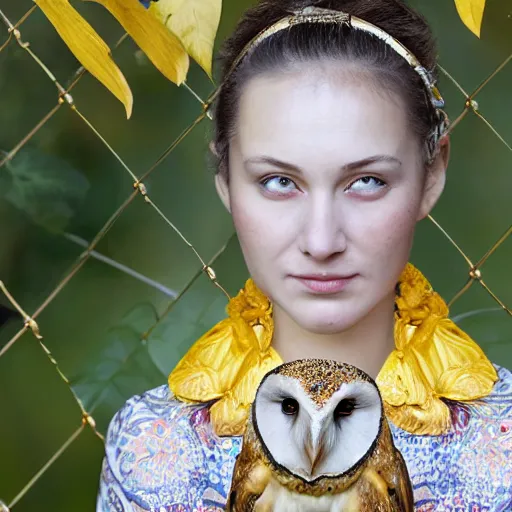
64	184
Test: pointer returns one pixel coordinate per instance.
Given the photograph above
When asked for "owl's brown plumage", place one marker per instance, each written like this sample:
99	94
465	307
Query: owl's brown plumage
330	400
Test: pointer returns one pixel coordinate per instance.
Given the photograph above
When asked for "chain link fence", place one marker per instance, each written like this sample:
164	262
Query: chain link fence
65	100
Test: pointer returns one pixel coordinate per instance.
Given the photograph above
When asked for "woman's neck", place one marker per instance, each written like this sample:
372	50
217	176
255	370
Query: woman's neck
366	344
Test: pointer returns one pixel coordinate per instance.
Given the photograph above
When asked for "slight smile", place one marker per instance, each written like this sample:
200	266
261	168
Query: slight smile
324	283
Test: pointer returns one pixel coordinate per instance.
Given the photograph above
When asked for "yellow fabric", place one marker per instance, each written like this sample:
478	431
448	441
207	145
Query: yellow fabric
433	359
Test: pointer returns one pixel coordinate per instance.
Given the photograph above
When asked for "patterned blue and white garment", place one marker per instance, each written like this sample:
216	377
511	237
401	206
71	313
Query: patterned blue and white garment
163	456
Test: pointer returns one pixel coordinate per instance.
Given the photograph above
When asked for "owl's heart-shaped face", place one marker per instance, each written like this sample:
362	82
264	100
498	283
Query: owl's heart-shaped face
317	418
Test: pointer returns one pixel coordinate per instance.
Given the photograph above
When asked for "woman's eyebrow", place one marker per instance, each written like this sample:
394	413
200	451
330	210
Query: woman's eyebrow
365	162
274	162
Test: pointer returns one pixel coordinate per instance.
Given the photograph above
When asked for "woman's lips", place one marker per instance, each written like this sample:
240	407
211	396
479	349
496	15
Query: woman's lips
322	284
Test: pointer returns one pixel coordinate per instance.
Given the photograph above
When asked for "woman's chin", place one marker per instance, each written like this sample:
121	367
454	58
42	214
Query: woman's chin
320	321
326	327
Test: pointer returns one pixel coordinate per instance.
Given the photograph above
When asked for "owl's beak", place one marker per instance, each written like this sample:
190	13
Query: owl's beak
314	449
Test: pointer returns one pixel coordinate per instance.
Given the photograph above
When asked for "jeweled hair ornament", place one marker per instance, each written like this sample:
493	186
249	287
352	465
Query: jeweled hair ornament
319	15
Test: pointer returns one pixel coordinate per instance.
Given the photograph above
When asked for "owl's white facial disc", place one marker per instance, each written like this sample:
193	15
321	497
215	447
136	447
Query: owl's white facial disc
311	441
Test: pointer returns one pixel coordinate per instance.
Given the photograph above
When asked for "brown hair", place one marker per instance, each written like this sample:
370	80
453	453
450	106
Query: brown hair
307	42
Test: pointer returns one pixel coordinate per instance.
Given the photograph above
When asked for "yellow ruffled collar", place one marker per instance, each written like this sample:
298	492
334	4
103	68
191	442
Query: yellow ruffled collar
433	359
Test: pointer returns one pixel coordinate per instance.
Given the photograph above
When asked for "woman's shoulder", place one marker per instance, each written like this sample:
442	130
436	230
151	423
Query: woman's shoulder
152	410
471	462
503	388
495	408
162	452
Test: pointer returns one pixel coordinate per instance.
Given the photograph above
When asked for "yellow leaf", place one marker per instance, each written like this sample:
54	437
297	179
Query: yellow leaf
88	48
195	22
163	48
471	12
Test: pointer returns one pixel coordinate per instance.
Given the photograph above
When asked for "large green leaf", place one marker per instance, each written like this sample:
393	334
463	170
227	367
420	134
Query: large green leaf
196	310
141	350
123	367
45	187
189	318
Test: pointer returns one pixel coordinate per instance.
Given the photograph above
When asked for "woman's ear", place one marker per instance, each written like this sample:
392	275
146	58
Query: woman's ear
222	186
436	178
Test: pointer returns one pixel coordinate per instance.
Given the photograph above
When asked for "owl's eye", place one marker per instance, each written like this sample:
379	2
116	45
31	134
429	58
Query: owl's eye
344	408
290	406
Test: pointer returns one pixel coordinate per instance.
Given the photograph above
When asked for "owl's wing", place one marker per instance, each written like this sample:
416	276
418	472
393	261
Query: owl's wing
390	486
403	497
249	482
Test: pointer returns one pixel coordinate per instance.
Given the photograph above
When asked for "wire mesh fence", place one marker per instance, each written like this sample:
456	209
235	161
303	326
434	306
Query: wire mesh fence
65	99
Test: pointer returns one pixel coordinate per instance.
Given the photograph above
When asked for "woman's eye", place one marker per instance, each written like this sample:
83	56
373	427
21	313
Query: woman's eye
278	185
367	185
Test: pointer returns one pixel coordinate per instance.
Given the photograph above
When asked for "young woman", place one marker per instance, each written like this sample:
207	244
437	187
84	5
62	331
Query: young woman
330	146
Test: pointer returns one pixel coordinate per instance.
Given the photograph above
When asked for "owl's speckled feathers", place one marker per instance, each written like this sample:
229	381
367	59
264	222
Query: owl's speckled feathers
269	476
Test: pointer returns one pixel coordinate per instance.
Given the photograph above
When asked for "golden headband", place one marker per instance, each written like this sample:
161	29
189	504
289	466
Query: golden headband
326	16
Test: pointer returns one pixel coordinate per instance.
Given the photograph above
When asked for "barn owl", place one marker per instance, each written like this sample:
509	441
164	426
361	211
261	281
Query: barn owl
317	440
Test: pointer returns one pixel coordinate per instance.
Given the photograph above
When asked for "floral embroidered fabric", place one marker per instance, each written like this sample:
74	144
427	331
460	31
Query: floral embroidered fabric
162	455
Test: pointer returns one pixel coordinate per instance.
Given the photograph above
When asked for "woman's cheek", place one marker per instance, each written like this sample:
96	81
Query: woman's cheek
260	222
254	228
247	226
384	231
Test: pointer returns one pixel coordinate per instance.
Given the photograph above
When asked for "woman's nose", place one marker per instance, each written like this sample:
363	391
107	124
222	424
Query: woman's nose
322	234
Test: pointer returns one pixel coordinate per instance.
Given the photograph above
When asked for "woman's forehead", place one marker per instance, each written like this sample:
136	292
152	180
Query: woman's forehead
297	113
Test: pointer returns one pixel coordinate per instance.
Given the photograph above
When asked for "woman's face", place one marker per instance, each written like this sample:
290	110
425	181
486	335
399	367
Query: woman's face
326	186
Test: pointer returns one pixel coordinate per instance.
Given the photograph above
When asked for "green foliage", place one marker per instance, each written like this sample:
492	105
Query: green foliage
123	366
86	329
189	318
45	187
141	350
